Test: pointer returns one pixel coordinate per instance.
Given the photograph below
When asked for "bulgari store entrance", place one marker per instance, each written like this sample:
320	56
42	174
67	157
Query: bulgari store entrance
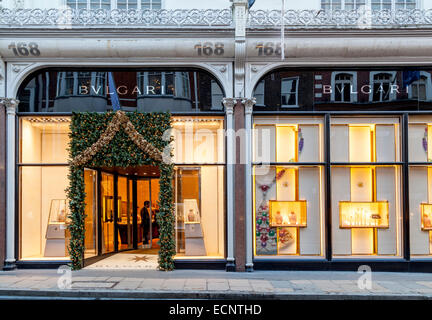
121	207
121	203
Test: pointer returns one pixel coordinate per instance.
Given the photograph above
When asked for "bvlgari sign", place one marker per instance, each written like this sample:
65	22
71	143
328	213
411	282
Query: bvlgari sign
125	90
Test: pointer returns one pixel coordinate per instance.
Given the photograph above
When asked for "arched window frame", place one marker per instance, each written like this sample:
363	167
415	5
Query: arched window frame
428	83
353	95
392	93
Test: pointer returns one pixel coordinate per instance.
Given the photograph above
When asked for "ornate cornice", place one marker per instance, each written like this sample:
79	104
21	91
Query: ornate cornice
11	18
336	19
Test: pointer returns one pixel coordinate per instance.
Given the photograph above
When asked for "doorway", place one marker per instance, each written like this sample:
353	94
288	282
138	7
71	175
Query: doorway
121	208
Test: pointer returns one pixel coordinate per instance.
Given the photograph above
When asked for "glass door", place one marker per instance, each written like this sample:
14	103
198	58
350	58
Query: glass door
124	213
107	212
147	203
144	214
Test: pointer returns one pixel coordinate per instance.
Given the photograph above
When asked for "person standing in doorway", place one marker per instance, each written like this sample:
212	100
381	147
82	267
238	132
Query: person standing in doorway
145	220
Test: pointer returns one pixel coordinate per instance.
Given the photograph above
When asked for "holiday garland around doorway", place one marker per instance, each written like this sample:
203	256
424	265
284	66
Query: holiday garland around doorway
119	140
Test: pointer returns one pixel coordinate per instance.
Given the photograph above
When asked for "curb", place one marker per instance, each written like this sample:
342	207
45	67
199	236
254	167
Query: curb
12	294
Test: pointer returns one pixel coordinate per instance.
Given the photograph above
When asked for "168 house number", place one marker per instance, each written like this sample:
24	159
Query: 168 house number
22	49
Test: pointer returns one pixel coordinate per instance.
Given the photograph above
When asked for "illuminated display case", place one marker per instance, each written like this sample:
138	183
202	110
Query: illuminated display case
364	214
426	216
365	186
288	213
288	195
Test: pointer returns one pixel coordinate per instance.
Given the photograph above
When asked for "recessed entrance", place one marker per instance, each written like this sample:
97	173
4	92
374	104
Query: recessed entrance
121	208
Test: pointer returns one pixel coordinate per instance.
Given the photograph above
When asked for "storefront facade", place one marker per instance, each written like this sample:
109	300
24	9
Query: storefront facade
320	160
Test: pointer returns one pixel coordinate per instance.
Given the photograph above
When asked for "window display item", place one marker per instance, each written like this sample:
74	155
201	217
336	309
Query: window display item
191	211
194	237
287	241
288	213
56	229
426	216
364	214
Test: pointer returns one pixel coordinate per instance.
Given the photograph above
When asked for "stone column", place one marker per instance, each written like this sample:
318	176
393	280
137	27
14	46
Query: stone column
2	186
230	140
11	106
239	188
248	105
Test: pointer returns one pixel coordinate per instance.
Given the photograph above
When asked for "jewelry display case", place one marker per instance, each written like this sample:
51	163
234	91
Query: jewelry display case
364	214
288	213
426	216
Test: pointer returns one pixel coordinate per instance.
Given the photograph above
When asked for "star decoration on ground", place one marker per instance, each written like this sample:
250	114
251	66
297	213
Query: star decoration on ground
137	258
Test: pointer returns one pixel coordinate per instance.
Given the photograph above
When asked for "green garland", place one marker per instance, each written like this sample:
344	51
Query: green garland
85	130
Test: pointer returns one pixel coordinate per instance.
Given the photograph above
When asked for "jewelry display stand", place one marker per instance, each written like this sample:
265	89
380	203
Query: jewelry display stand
194	238
56	230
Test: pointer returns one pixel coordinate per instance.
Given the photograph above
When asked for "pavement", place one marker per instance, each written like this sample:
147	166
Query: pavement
212	284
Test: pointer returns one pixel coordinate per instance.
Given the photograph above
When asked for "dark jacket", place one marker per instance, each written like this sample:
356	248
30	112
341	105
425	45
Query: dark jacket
145	218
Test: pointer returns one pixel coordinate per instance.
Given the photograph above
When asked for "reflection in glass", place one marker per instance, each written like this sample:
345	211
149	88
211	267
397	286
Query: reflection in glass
145	91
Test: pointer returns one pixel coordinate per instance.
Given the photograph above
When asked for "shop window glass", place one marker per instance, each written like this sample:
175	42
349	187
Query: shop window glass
43	212
366	213
200	218
200	205
217	96
198	140
420	185
259	93
44	139
288	199
43	205
144	91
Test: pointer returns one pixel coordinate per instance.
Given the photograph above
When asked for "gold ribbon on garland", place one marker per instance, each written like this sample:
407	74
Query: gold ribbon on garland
120	120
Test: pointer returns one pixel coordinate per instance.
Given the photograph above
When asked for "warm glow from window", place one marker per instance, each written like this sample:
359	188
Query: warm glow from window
288	213
364	214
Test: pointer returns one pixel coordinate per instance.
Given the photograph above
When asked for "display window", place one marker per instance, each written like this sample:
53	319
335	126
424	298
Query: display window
420	185
43	180
199	187
288	186
365	192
